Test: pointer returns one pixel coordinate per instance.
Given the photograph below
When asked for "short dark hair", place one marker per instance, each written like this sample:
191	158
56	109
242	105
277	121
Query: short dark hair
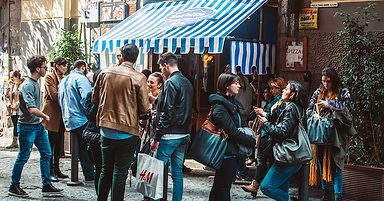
300	96
60	61
224	80
79	64
129	52
146	72
238	68
35	62
168	58
16	73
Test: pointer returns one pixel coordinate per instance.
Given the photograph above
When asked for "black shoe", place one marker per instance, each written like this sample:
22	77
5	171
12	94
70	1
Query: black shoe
89	179
59	174
15	190
186	169
51	191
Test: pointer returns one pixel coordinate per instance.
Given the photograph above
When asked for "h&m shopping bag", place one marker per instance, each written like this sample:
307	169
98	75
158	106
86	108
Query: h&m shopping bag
149	176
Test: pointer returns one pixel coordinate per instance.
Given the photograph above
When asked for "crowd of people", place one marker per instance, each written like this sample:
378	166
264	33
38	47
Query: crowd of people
118	112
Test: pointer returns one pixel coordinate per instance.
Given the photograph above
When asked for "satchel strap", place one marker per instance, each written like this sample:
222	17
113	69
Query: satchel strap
300	115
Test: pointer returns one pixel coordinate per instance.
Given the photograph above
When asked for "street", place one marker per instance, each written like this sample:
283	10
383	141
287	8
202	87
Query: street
197	184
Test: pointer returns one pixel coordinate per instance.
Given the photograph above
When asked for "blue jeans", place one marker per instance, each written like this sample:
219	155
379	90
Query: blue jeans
276	183
28	135
337	179
174	150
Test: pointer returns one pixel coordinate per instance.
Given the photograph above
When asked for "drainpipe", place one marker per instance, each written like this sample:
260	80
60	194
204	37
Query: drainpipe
9	38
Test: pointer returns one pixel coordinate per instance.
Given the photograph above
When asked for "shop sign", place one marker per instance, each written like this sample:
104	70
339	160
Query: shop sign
324	5
188	17
308	18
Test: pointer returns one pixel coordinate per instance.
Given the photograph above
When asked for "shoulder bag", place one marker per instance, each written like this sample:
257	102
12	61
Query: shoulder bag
291	151
209	144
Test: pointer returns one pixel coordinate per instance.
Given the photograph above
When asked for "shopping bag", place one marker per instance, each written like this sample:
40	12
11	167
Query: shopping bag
149	176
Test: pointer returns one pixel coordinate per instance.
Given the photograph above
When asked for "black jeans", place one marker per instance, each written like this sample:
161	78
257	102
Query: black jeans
14	119
264	158
84	155
117	157
96	156
55	140
223	180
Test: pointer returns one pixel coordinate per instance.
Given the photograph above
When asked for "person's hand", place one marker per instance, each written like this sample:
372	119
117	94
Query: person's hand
152	99
315	114
275	106
263	119
258	110
322	103
46	118
154	146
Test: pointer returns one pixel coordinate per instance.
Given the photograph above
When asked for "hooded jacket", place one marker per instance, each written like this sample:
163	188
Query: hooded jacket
226	115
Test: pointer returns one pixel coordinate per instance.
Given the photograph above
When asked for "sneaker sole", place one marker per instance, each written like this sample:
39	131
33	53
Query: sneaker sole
17	195
50	194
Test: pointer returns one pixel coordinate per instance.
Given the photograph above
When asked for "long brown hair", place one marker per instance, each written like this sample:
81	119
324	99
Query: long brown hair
336	84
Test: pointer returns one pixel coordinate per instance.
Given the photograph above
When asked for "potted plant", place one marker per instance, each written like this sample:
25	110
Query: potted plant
362	70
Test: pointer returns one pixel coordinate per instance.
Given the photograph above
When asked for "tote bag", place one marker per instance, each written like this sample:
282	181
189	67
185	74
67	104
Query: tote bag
149	176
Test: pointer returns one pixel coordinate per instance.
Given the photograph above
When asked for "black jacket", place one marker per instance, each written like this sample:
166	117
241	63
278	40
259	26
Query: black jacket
287	123
174	106
225	115
90	112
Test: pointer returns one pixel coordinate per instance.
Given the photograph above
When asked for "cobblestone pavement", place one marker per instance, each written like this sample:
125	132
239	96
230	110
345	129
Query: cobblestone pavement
197	184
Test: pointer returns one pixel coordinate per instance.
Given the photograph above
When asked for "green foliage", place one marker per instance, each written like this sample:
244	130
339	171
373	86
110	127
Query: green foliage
362	68
69	46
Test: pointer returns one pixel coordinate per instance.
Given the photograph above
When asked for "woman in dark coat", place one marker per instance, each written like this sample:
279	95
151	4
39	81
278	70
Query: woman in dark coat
276	183
330	99
226	115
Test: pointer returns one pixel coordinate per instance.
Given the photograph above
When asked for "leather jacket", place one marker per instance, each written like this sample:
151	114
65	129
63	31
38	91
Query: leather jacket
174	106
287	123
122	95
225	115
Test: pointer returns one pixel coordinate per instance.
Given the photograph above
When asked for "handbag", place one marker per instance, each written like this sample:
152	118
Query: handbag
291	151
150	173
209	144
244	150
320	129
91	137
256	127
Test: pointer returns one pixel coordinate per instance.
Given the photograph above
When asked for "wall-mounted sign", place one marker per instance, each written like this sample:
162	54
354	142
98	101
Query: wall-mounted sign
324	5
112	11
89	11
308	18
294	54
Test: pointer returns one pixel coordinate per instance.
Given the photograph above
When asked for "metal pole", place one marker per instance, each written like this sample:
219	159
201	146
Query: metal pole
304	183
74	161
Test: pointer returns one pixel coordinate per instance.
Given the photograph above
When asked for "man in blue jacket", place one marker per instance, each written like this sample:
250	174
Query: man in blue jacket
73	91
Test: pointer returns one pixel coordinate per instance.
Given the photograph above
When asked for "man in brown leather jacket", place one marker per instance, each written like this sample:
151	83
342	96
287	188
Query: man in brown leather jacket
51	107
122	95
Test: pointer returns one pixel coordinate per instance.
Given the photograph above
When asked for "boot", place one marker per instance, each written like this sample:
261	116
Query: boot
252	188
59	174
14	143
326	195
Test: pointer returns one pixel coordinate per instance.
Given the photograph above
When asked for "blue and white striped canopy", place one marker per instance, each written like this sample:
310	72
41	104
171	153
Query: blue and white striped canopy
182	24
248	54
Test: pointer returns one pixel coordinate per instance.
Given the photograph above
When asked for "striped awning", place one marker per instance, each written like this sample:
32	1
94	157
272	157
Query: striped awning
196	24
248	54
